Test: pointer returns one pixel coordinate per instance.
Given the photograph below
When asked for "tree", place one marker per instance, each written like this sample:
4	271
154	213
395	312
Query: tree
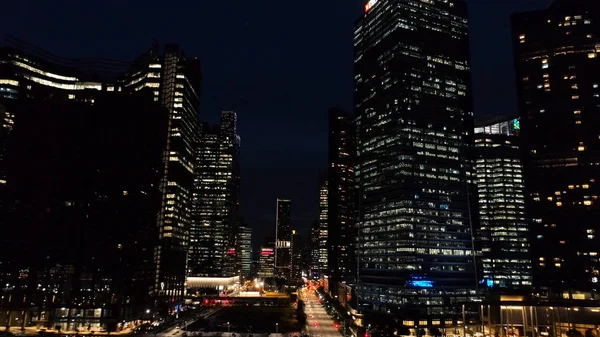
591	333
435	332
574	333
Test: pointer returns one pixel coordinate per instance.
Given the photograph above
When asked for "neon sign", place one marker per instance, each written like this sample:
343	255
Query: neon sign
516	124
370	5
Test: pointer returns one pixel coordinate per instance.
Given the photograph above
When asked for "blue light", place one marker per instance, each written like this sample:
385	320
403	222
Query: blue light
516	124
489	283
421	283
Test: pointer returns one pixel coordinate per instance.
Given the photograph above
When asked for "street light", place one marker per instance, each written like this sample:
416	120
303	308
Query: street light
276	327
228	328
147	311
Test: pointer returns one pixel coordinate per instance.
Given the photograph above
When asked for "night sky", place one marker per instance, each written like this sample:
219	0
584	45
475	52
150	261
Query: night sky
279	63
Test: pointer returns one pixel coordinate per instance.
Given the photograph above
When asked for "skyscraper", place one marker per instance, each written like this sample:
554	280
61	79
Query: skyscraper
216	199
283	237
341	198
172	81
322	230
296	249
503	233
558	90
179	80
244	250
414	108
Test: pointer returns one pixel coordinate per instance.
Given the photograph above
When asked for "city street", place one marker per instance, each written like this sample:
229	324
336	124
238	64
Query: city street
316	315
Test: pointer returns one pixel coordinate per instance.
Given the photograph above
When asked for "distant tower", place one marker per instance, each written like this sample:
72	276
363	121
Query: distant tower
283	237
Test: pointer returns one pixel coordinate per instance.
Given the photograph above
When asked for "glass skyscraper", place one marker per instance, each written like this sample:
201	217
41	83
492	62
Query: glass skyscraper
503	233
415	132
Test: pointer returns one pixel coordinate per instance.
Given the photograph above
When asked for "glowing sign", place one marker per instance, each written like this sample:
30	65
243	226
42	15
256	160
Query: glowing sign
421	283
488	282
516	124
370	5
266	252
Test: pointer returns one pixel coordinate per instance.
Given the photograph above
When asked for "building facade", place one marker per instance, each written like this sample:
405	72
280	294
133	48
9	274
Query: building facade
503	233
34	80
283	237
558	90
341	201
322	233
266	262
216	200
415	126
296	248
244	250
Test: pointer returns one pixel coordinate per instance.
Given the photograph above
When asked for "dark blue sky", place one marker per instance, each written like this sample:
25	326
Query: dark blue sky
279	63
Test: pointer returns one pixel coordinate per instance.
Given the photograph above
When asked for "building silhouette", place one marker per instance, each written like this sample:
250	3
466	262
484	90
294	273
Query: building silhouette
94	100
558	91
283	237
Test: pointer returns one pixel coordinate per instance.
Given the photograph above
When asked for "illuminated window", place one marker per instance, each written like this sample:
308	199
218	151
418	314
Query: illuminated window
557	265
562	242
589	231
125	193
591	237
559	203
71	96
575	97
571	187
577	112
581	148
592	55
549	198
587	202
557	193
574	86
585	186
577	122
542	259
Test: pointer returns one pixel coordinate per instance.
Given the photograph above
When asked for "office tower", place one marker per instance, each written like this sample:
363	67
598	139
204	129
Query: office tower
314	249
503	233
323	234
341	198
244	250
283	237
180	95
216	200
558	90
82	205
173	82
266	262
296	248
414	109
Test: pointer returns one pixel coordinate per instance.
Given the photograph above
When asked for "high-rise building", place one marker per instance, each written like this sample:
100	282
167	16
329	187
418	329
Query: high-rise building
503	233
82	202
558	90
179	82
314	250
283	237
296	248
414	108
216	200
173	82
266	262
341	198
244	250
322	231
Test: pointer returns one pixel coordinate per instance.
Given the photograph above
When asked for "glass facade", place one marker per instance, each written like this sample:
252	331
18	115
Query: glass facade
557	53
415	128
503	233
216	200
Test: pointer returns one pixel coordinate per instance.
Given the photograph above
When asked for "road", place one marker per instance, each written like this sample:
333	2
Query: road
176	330
316	315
